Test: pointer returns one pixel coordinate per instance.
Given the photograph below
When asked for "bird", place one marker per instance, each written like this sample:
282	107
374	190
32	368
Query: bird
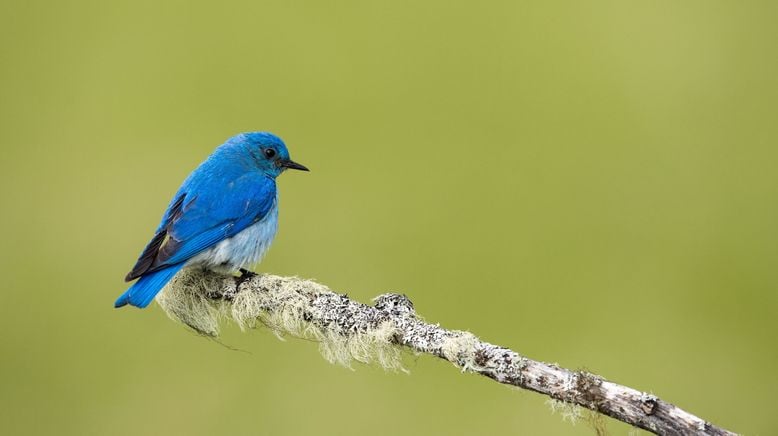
223	217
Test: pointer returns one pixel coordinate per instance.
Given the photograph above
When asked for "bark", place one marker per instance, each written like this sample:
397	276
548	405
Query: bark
314	305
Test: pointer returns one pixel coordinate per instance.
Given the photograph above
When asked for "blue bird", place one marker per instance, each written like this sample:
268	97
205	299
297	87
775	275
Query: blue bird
223	217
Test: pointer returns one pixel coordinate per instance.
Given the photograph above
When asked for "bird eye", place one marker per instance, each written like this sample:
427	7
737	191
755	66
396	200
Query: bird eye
269	153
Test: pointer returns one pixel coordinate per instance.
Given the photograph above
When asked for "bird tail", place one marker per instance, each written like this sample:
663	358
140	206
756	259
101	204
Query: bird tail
143	291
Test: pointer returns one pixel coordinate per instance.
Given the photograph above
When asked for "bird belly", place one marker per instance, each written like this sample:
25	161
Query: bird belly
242	250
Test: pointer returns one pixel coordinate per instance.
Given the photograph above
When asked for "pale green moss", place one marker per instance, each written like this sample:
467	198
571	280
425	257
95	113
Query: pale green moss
286	309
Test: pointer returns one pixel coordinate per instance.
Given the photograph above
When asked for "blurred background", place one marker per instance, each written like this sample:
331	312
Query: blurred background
588	183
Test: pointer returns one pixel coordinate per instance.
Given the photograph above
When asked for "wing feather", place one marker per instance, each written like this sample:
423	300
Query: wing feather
149	254
194	223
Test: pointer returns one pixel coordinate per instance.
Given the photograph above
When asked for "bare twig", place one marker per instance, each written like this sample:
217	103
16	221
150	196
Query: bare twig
349	330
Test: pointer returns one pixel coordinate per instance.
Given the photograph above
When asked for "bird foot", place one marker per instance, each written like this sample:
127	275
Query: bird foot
244	275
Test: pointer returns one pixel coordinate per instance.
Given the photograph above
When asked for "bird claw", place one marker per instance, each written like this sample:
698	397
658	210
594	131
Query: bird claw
244	275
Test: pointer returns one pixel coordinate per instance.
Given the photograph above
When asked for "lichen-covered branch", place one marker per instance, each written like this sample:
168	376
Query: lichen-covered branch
348	330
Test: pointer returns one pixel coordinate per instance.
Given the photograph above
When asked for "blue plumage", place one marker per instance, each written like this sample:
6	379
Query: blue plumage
146	288
223	217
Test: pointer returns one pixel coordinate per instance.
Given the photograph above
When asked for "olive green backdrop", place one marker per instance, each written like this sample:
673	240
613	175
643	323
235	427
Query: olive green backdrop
589	183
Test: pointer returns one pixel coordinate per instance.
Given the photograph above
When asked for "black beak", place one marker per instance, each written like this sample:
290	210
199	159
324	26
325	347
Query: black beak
292	165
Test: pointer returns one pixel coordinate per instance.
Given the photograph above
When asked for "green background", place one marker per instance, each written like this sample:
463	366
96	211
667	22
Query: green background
589	183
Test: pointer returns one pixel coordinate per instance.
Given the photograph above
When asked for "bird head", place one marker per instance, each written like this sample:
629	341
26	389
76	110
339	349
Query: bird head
268	153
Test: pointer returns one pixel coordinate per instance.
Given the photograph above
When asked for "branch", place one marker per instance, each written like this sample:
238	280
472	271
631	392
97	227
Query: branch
348	330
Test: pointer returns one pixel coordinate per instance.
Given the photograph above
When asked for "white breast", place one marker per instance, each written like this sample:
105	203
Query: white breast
244	249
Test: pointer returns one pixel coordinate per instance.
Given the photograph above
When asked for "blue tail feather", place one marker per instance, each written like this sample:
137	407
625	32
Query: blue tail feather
143	291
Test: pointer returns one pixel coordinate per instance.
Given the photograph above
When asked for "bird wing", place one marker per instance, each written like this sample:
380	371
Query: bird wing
203	213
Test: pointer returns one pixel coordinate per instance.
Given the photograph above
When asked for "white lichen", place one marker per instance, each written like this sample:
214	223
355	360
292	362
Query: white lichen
569	412
372	346
287	308
460	349
569	382
185	299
